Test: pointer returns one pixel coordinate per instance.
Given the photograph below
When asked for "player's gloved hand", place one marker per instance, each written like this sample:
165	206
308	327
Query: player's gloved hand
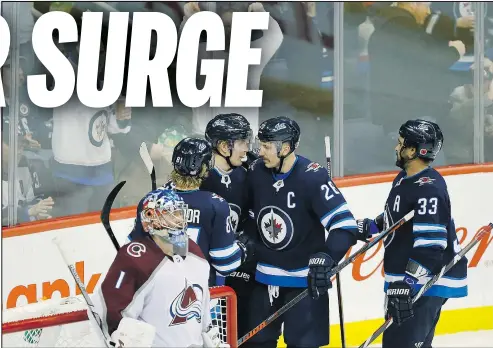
399	302
132	333
319	281
368	227
247	246
212	338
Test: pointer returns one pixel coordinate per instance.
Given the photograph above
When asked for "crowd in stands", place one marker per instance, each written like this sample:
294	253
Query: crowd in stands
401	60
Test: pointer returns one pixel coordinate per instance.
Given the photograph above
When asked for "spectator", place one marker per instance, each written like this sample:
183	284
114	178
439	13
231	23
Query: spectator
29	206
409	67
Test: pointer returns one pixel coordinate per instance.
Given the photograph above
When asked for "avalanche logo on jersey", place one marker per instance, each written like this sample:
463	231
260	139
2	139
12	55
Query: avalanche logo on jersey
314	166
276	227
187	305
235	213
424	180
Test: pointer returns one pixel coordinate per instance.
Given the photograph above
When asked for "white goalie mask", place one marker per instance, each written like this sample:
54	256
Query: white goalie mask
164	215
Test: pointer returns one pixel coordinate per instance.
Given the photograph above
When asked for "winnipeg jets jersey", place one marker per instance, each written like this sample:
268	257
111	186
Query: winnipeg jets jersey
230	186
80	141
209	225
170	293
297	214
425	244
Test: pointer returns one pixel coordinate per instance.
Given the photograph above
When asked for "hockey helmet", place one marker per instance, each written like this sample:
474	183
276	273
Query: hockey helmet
228	127
280	130
190	154
425	136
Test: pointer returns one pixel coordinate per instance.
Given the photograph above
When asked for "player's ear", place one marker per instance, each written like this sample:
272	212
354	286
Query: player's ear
223	147
285	149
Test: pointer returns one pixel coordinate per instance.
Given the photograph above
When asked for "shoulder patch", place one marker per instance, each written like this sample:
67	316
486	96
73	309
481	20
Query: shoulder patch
424	180
253	164
136	249
216	196
313	167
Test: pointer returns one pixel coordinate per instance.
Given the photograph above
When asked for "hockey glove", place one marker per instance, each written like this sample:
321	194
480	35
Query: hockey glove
133	333
399	302
368	227
319	281
247	246
212	339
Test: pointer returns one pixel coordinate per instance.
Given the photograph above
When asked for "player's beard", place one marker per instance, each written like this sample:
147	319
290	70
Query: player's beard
399	160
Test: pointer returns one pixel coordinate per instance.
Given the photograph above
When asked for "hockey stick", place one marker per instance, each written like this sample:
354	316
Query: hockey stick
82	289
328	157
144	154
481	234
105	213
335	270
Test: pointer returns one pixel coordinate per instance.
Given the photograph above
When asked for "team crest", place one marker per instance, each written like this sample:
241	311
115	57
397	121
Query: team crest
276	227
235	213
314	167
187	305
424	180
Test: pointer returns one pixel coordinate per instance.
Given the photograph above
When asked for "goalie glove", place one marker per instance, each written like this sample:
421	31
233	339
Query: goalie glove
212	339
133	333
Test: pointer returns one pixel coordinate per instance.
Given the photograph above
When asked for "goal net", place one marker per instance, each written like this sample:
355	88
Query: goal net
64	322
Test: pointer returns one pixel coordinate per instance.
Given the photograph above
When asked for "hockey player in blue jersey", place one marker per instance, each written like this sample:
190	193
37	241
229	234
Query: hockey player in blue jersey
231	136
208	214
304	227
421	247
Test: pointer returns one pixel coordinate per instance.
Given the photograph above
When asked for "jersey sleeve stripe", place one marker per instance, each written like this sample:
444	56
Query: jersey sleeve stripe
224	253
272	275
341	209
445	286
227	268
422	228
430	242
347	223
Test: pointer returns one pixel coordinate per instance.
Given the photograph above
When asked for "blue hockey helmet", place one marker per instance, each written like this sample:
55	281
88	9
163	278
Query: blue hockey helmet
423	135
280	130
228	127
189	156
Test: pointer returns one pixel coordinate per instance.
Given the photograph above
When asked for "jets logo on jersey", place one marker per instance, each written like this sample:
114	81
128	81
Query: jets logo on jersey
314	167
424	180
276	227
235	213
97	128
187	305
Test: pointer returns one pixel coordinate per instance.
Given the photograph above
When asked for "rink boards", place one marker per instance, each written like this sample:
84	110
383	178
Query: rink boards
33	269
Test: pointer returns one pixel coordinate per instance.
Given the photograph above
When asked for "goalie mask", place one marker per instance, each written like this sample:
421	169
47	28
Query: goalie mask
164	216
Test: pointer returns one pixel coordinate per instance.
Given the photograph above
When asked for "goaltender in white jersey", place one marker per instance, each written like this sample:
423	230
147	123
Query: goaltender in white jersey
158	283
